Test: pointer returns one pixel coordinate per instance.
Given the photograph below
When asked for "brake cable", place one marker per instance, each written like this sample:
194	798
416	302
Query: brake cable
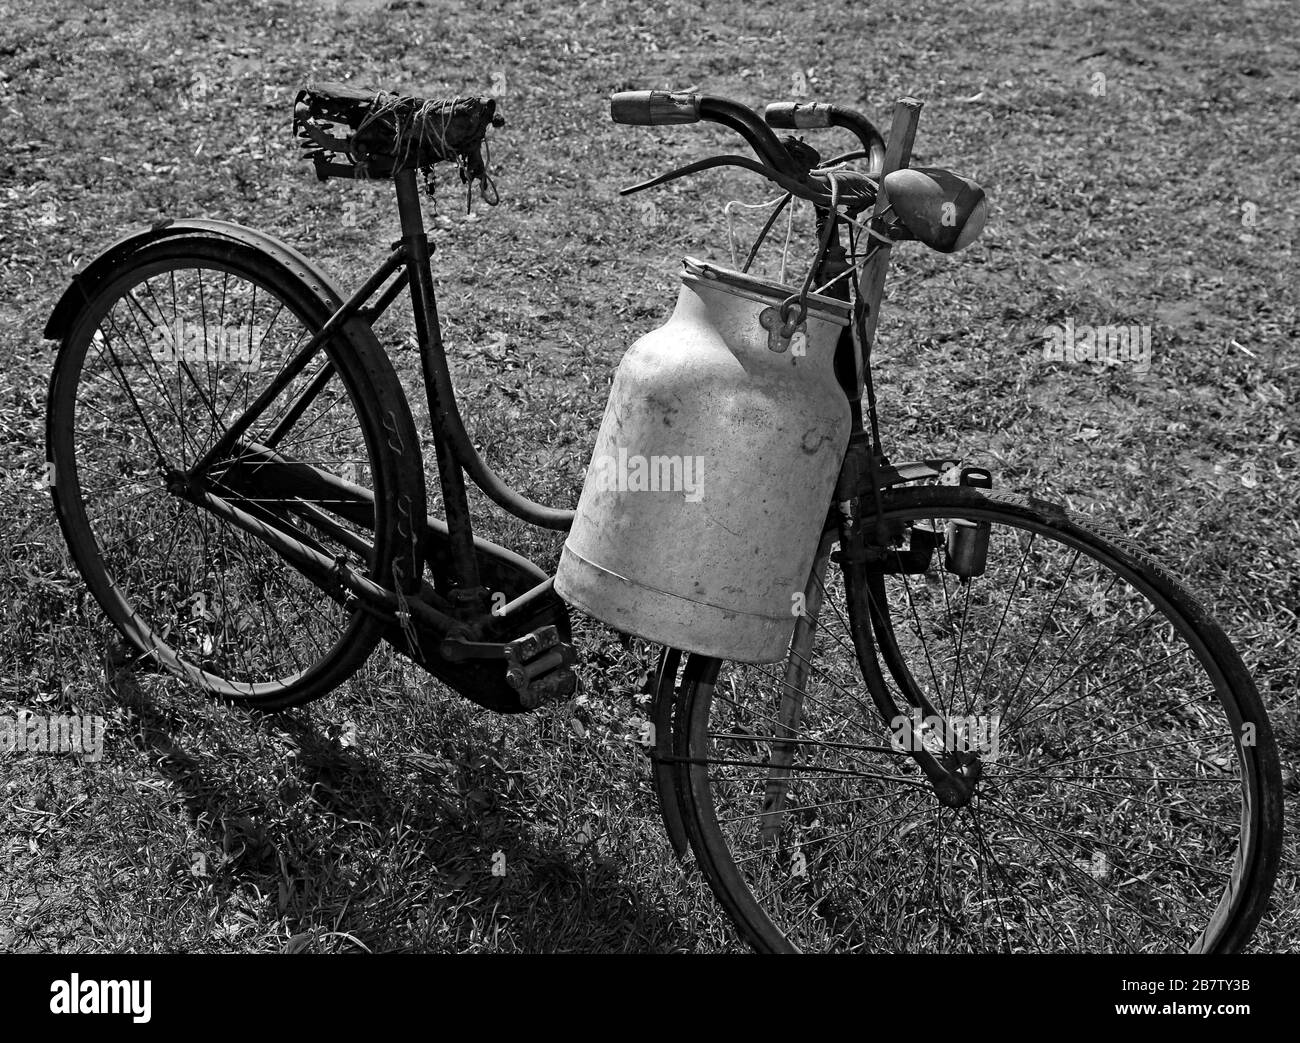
785	201
876	461
784	181
781	202
788	325
835	161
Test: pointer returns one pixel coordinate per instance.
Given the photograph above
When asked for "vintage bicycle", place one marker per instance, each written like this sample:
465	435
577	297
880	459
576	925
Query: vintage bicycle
896	711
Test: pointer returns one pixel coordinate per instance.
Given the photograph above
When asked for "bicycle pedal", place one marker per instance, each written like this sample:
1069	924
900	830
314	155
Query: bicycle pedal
539	667
552	687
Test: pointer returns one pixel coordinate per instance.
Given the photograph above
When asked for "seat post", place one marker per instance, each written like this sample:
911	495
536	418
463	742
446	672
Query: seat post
408	203
443	413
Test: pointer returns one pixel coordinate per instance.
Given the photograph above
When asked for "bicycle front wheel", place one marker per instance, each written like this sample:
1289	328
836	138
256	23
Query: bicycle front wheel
1126	793
165	355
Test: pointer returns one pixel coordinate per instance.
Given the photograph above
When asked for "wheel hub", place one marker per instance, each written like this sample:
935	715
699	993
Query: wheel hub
964	772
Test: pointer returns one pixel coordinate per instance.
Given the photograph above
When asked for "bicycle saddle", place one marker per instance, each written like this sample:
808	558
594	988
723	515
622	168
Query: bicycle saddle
357	133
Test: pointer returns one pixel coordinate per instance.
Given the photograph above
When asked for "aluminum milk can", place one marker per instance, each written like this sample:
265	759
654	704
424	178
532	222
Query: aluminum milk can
712	472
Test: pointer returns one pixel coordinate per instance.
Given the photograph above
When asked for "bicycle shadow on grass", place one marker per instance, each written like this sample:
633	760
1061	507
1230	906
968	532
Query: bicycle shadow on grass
345	859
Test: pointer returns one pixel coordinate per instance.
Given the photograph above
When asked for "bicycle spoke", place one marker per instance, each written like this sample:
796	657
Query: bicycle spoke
193	592
1112	744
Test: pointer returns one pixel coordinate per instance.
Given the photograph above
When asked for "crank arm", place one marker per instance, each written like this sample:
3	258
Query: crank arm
538	665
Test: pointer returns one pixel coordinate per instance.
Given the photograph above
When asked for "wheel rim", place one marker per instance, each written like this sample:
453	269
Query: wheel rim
171	353
1120	812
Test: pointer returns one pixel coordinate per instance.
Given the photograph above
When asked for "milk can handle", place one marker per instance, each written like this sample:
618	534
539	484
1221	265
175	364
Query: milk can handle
789	325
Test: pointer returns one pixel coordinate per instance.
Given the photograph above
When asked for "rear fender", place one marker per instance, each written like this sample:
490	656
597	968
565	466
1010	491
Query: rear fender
86	282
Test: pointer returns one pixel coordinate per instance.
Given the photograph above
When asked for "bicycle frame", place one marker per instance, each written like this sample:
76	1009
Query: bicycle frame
299	483
464	614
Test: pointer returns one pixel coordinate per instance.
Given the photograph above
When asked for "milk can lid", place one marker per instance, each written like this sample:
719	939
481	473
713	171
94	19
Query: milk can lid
767	291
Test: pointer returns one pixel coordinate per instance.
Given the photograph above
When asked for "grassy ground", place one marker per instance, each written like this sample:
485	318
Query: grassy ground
1141	168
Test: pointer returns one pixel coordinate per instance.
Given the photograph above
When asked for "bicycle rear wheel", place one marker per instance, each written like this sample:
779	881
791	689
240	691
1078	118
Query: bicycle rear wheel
1128	794
165	355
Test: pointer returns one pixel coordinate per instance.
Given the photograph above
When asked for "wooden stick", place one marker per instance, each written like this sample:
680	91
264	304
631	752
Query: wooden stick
898	154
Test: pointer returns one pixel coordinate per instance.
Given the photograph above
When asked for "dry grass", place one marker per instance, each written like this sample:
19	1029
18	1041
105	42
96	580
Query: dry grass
370	819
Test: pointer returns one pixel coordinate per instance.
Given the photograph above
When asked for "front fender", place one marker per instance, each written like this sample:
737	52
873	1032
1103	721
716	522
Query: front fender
663	718
84	284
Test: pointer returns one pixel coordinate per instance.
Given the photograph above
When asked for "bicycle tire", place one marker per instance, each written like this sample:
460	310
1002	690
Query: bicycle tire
209	602
804	887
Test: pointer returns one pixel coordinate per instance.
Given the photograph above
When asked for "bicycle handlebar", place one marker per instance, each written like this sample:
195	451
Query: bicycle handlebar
794	115
798	115
659	108
663	108
654	108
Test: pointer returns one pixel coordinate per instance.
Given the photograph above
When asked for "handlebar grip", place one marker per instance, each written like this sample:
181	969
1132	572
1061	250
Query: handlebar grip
654	108
796	115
